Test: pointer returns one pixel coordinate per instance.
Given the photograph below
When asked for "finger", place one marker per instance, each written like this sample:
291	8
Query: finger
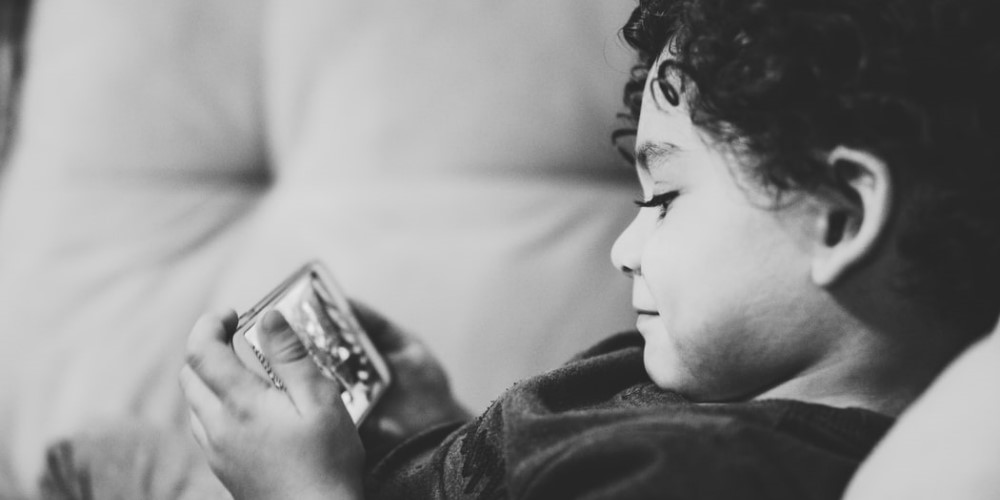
291	362
198	430
385	335
229	320
201	400
212	358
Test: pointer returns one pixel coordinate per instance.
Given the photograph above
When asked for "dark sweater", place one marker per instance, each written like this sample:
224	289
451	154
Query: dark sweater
599	428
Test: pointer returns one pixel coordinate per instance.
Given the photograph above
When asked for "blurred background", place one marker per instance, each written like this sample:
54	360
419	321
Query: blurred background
450	161
13	22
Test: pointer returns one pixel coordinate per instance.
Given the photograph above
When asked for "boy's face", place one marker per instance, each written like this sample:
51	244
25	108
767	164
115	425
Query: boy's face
722	276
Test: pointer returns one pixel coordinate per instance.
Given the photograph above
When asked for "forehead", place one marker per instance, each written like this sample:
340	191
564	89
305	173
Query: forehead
666	85
665	120
667	132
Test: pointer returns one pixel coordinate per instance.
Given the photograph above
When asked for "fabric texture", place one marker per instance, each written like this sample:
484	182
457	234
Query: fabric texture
598	428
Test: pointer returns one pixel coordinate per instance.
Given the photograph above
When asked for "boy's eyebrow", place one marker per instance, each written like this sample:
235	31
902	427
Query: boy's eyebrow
653	153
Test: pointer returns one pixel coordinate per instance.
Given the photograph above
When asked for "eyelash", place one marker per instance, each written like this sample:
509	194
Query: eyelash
662	201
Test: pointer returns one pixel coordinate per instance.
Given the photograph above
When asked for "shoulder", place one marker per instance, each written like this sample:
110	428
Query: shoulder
689	454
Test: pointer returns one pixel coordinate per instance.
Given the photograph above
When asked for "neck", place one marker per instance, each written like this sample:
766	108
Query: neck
875	370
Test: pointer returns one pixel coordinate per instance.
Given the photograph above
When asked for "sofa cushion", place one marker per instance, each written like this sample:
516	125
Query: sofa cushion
449	161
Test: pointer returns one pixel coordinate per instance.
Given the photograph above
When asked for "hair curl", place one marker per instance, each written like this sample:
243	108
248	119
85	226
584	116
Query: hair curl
916	82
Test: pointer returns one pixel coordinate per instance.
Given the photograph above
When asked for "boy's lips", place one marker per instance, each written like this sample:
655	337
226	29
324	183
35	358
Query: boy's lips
645	319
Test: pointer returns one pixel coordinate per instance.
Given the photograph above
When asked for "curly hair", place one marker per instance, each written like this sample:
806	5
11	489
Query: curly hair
916	82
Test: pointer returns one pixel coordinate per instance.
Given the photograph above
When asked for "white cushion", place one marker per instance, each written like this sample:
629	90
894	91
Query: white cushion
448	160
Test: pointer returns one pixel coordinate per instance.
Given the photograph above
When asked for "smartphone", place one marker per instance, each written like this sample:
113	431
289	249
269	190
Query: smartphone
321	317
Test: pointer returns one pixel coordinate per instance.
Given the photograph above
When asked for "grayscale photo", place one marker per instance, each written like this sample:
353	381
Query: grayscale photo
519	249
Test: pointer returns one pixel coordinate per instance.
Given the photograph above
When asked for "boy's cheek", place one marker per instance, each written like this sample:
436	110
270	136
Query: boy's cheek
707	364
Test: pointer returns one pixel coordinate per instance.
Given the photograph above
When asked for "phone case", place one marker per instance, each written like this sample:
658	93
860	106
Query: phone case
320	315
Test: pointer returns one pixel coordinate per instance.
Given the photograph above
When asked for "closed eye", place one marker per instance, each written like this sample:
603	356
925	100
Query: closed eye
662	201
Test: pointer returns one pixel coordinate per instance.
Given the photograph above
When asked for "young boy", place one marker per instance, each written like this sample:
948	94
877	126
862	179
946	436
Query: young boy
817	240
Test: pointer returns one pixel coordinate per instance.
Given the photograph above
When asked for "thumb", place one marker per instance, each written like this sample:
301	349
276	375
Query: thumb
278	342
291	362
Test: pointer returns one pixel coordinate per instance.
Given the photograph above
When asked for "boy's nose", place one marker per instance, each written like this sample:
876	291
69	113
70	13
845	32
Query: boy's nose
627	250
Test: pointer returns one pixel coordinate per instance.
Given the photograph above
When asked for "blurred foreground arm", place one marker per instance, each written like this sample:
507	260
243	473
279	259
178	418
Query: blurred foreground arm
947	445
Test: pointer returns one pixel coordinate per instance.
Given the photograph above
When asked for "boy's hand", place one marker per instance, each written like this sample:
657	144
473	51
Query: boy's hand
262	442
419	397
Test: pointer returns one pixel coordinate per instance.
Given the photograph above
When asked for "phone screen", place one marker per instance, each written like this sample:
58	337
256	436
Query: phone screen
322	318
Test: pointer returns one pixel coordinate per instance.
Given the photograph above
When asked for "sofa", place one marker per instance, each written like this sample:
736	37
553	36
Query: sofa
449	161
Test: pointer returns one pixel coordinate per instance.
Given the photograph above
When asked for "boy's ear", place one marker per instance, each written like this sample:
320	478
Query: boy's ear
855	214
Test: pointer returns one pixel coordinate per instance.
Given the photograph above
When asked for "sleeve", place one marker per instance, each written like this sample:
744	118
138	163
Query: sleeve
445	462
414	468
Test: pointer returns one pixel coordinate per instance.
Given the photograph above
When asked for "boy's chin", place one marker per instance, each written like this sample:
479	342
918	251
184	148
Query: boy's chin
668	373
698	389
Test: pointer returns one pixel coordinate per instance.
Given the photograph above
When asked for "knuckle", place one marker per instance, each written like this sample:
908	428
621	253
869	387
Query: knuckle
238	411
286	349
